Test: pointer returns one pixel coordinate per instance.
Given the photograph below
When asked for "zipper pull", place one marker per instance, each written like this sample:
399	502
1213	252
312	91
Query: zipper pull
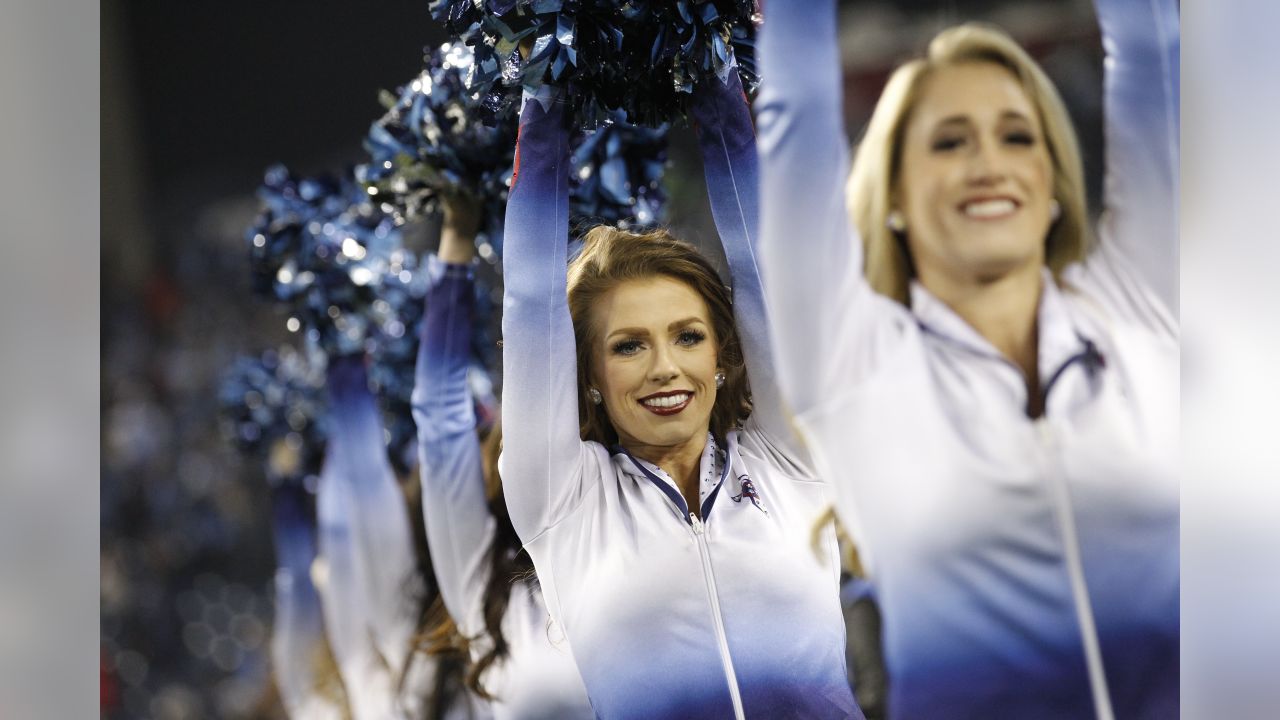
696	524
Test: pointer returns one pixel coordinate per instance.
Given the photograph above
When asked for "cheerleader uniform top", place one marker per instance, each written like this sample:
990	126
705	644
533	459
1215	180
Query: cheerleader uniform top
537	679
1024	567
670	615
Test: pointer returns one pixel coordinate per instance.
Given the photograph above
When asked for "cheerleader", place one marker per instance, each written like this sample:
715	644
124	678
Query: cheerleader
520	664
994	399
668	522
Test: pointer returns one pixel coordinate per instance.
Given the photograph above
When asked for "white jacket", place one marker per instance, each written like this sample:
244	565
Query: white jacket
1021	564
669	616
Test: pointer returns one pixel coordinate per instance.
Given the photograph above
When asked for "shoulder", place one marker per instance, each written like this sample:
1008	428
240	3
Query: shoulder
1099	314
759	453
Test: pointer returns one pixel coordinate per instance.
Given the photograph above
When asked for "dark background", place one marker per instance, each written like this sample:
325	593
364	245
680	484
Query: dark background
197	100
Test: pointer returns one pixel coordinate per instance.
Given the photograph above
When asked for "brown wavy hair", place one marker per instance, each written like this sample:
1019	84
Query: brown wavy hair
609	257
424	592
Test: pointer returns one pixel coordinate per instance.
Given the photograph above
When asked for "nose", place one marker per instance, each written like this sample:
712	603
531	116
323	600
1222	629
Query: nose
986	166
664	368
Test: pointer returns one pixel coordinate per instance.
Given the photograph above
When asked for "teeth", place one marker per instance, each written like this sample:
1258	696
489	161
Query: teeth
667	402
989	208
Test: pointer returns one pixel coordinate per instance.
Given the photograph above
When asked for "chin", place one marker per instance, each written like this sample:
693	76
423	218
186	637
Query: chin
998	260
669	434
674	435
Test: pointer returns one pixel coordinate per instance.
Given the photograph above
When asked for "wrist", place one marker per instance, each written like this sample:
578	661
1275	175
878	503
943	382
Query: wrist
456	247
439	268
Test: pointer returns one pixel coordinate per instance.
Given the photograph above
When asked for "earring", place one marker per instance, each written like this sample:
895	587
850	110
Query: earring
1055	210
719	379
895	222
595	396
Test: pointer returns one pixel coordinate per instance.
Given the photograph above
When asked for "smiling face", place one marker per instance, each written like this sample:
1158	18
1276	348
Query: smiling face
976	178
654	361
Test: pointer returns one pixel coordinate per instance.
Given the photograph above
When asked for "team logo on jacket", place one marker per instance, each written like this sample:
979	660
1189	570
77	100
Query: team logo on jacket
748	490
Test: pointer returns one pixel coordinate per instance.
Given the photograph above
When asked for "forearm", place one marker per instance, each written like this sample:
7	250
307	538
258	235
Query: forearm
541	445
1141	105
727	141
378	515
441	401
454	506
811	261
298	626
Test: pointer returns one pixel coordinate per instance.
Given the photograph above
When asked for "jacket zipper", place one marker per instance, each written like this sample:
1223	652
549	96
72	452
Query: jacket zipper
1075	573
700	538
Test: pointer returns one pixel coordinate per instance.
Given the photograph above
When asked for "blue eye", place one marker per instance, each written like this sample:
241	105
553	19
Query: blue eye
626	347
690	337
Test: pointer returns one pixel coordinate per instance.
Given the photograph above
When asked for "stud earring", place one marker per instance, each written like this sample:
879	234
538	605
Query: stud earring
719	379
1055	210
895	222
594	394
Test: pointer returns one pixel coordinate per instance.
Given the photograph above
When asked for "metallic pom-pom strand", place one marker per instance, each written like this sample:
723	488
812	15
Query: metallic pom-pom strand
272	408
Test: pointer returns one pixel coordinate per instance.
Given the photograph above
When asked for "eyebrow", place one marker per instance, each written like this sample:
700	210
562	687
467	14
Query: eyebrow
642	332
964	119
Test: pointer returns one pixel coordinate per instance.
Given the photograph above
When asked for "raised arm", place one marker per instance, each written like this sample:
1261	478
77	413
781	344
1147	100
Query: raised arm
1141	105
344	597
812	260
378	515
542	450
727	140
298	630
459	525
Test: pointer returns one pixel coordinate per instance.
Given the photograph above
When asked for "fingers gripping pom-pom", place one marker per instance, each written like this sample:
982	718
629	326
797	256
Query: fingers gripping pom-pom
431	143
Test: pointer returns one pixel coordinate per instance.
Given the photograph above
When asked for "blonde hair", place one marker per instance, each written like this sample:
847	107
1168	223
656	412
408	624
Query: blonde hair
877	164
609	257
850	558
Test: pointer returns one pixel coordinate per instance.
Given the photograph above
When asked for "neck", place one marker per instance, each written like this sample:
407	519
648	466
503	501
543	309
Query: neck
681	462
1003	311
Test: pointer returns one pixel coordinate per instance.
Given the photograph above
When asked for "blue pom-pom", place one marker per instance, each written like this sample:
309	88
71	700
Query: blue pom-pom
321	248
616	176
394	358
428	145
273	409
395	350
642	57
432	142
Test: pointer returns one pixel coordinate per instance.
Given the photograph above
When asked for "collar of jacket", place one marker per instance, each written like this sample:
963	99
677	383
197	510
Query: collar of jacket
1060	340
645	471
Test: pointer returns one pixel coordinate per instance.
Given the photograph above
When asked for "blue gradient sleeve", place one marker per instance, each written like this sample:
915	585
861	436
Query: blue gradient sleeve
541	463
298	630
342	584
373	512
812	259
727	140
459	526
1141	103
